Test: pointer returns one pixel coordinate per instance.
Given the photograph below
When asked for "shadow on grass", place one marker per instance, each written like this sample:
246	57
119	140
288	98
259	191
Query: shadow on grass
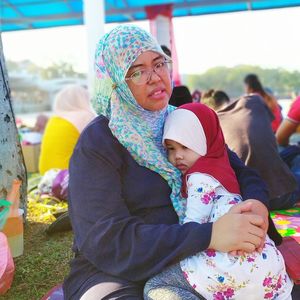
44	263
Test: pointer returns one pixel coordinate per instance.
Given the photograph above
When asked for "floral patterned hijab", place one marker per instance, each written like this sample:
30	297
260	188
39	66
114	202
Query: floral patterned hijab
138	130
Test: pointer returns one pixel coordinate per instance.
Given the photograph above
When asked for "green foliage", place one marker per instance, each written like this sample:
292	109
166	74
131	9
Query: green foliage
59	70
282	82
56	70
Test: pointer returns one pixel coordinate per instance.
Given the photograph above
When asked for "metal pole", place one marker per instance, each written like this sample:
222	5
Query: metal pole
94	19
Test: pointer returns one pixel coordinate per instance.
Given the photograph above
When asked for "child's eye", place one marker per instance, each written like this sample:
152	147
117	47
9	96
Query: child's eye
184	147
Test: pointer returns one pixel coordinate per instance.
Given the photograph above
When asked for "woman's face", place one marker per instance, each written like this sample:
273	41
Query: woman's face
154	94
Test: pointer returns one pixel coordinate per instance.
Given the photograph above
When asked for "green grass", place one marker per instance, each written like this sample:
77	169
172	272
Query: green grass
44	263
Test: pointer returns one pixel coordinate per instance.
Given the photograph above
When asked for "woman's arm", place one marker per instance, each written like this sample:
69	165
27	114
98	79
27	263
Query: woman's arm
254	190
285	130
251	185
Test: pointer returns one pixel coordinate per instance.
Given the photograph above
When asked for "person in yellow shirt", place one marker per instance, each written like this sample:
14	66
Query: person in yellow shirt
72	112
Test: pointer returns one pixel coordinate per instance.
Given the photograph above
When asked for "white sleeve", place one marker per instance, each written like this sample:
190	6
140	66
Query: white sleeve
201	190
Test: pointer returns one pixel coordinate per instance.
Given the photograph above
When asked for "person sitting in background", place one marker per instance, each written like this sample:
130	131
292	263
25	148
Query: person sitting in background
289	124
166	50
253	86
290	153
247	131
196	96
72	112
215	99
180	95
40	123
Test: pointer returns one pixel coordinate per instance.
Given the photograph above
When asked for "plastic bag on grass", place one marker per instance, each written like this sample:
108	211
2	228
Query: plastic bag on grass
7	267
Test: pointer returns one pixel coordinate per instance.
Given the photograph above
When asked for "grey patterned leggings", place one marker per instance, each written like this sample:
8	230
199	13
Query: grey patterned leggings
170	285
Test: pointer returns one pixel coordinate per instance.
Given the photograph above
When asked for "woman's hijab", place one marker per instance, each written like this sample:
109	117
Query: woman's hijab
138	130
73	104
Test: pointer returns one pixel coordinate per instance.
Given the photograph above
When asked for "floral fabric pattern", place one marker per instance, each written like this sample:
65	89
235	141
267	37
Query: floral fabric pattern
138	130
219	276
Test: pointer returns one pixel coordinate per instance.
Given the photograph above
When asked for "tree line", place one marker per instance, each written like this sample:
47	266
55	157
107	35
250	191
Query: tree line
283	83
56	70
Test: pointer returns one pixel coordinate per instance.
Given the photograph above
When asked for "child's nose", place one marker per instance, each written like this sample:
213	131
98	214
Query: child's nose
179	155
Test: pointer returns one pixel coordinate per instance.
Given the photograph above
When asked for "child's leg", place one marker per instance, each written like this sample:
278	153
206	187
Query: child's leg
170	285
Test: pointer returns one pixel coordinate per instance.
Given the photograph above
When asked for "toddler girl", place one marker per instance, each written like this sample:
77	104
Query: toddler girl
195	144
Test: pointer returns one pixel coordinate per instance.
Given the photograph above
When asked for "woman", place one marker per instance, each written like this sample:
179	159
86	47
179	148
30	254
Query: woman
121	182
72	112
253	85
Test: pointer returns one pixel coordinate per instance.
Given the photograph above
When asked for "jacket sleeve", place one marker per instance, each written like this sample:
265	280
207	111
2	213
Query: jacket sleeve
109	236
251	185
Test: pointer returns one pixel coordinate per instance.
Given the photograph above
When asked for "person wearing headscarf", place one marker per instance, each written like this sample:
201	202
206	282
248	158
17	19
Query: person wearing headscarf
40	124
196	146
215	99
72	112
122	186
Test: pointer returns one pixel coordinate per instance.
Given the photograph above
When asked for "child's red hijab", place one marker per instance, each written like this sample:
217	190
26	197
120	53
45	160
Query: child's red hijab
215	161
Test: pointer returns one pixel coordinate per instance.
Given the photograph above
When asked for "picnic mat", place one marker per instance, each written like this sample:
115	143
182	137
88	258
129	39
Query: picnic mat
287	222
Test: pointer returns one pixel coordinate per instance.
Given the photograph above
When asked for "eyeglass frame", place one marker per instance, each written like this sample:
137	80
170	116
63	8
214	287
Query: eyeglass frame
150	72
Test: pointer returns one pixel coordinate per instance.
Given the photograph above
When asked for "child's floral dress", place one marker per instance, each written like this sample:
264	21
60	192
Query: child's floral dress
217	275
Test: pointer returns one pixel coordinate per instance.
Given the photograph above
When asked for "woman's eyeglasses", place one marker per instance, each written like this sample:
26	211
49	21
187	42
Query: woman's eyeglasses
143	76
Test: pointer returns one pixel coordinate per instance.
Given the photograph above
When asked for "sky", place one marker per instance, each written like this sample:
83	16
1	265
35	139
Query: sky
268	38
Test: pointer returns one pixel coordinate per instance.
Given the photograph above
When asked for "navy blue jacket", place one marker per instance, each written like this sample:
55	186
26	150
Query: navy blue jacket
122	217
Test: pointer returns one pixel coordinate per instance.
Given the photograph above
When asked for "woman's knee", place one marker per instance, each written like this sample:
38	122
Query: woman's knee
114	291
100	290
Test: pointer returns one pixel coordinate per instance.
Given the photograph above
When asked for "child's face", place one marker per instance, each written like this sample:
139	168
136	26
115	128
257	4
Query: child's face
180	156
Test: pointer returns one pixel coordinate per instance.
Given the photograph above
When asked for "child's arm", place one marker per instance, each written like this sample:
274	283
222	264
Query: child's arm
200	201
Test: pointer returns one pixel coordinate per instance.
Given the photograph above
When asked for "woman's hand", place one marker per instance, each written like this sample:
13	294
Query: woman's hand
242	228
254	207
